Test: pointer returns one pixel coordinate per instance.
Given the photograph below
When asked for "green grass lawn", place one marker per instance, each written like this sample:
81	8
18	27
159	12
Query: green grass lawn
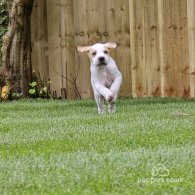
65	147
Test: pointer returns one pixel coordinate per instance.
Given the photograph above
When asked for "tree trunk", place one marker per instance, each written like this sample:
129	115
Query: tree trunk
16	48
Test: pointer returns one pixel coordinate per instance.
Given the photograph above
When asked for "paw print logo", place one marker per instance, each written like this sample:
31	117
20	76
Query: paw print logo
160	171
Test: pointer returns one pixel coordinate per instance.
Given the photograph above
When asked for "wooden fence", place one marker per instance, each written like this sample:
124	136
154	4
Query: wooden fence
156	38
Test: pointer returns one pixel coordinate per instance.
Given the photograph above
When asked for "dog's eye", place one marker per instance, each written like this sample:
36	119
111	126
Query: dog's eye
105	51
94	53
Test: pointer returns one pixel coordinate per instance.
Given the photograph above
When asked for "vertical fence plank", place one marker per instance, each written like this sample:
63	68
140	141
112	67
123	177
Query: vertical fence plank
39	39
54	40
122	35
139	87
81	38
70	48
152	60
191	41
184	91
175	48
67	48
95	13
62	48
110	17
168	45
161	47
133	44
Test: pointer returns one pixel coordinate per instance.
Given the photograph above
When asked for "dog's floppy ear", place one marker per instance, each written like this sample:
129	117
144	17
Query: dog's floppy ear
110	45
83	48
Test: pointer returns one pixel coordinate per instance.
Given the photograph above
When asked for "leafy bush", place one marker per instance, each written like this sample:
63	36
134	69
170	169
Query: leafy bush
38	89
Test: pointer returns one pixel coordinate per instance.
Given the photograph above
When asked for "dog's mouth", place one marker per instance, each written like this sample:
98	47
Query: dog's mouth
102	64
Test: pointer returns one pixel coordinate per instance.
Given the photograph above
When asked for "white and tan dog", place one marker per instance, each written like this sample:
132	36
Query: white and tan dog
105	77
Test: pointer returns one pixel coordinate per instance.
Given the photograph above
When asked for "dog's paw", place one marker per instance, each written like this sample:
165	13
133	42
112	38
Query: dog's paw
110	97
112	108
101	111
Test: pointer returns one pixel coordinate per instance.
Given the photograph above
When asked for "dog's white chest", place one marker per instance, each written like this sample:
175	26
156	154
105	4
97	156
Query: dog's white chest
105	77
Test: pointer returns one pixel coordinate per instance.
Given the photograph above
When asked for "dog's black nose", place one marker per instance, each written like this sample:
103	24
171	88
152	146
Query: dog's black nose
101	59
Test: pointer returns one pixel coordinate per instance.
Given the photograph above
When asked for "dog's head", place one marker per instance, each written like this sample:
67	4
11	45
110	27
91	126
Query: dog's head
98	53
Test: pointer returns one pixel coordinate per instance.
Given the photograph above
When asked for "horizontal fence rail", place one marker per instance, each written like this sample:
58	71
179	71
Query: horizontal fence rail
156	45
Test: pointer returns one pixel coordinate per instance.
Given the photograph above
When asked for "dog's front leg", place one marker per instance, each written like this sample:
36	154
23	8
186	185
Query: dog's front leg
105	92
116	86
100	102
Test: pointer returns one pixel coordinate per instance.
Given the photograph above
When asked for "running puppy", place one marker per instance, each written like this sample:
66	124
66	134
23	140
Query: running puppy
106	79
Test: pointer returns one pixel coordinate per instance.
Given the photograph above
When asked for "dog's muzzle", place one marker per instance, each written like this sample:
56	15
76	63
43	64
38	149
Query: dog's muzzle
102	61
